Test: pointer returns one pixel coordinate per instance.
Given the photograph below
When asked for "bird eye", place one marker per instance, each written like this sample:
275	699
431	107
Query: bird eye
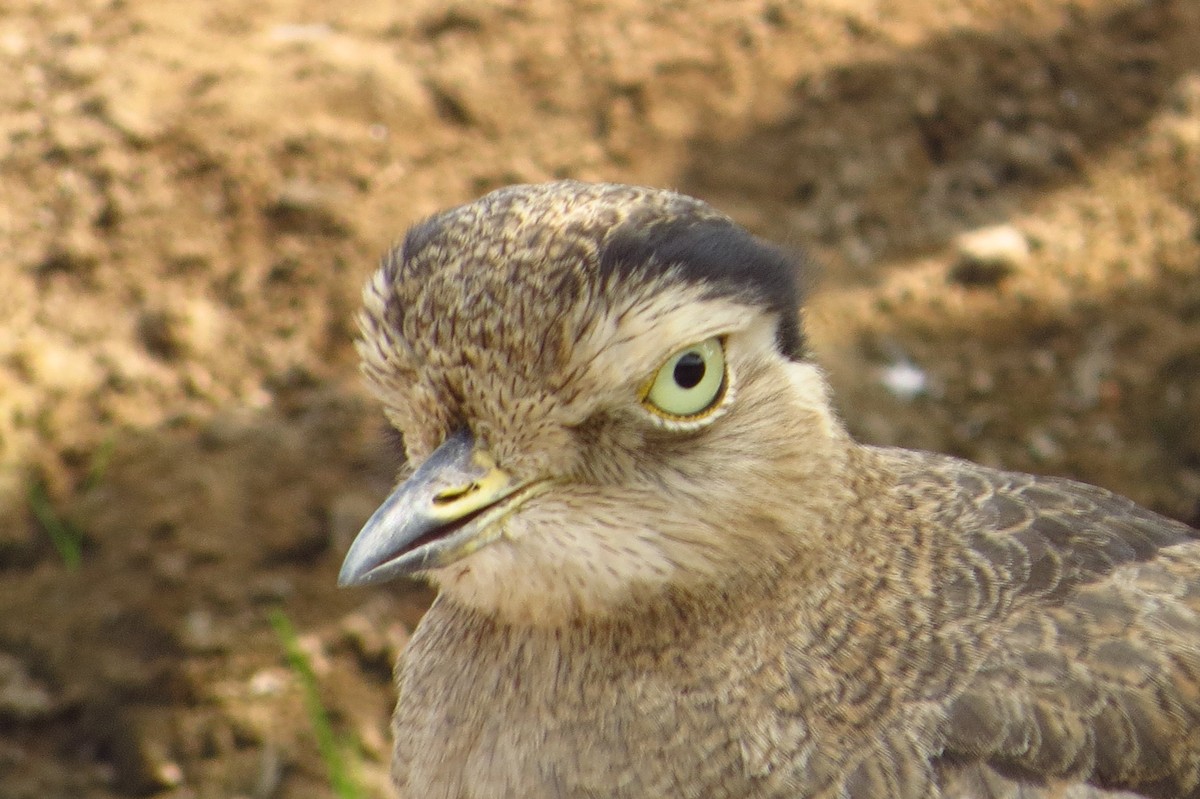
691	382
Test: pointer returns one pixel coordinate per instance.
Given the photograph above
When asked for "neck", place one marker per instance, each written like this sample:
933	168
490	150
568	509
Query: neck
671	610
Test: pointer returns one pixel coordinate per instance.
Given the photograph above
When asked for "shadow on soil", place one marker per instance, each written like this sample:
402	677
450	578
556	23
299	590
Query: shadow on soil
899	153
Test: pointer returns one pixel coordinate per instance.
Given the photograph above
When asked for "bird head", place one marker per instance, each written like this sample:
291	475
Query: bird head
603	394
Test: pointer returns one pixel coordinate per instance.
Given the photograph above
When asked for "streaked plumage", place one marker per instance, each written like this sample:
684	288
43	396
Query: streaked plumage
739	601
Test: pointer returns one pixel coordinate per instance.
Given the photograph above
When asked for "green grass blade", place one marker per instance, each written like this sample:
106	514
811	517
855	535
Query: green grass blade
333	752
66	539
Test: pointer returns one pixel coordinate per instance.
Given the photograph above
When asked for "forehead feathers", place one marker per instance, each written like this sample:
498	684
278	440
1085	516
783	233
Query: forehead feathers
510	283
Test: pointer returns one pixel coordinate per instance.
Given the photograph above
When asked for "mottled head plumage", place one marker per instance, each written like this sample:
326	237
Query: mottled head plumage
533	318
528	263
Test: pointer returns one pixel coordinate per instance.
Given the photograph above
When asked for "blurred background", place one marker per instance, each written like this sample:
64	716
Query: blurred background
1001	199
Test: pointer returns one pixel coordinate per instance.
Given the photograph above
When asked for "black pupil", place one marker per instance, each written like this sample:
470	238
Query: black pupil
689	370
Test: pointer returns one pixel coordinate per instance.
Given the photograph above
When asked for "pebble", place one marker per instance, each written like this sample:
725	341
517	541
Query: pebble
301	206
22	698
1043	447
268	682
985	256
905	380
202	634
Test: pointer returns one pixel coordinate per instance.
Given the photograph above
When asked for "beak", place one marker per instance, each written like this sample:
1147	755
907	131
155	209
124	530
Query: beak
451	506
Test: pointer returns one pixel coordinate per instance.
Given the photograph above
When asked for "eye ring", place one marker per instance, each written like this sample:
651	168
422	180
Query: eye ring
690	385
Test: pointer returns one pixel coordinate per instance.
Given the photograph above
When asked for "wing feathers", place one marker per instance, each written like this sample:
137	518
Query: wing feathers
1088	612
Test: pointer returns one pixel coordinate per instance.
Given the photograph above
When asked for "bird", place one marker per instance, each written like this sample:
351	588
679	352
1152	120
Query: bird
664	568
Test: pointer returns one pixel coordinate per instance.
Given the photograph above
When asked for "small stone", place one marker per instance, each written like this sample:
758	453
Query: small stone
169	774
1043	447
202	634
268	682
986	256
22	698
905	380
307	208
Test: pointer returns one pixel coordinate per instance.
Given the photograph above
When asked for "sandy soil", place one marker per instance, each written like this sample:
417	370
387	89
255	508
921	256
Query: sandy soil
1004	196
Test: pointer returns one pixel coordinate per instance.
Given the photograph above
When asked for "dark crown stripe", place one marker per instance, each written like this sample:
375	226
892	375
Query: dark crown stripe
715	254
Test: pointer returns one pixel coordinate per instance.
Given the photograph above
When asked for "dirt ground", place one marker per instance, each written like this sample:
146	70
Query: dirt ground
1003	195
